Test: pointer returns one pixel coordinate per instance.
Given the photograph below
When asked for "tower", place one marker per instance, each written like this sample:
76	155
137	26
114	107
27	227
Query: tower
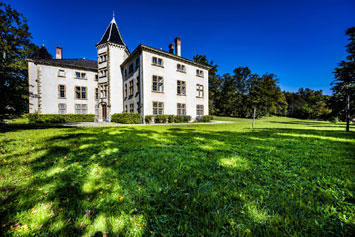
111	52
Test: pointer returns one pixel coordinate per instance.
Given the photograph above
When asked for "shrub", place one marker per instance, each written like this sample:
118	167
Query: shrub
179	119
148	118
187	118
205	118
171	118
160	119
59	118
126	118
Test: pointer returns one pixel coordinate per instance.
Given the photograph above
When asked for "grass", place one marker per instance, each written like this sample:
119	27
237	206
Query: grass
286	177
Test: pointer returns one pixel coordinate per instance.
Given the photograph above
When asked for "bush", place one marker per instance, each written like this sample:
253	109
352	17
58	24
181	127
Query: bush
148	118
160	119
179	119
126	118
205	118
171	118
187	118
59	118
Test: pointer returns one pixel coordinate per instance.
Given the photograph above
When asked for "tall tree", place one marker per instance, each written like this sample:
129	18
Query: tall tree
15	46
344	84
214	84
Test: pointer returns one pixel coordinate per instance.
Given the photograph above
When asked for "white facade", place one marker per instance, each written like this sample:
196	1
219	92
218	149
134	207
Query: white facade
44	83
149	81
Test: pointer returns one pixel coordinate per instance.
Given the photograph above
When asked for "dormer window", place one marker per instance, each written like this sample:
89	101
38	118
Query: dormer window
157	61
61	73
199	73
181	68
80	75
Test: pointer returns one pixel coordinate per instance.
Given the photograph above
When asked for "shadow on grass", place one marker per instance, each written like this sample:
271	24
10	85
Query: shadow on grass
178	181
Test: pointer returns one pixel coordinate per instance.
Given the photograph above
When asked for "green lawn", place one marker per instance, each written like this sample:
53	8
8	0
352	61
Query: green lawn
285	177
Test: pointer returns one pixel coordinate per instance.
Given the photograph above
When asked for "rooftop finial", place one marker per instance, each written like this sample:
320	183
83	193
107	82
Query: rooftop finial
43	43
113	18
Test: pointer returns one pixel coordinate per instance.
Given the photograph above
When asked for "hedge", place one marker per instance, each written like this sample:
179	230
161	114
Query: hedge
126	118
205	118
167	118
59	118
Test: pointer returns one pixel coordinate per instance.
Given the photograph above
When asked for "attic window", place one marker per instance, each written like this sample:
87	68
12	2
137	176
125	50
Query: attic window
61	73
199	73
157	61
180	68
80	75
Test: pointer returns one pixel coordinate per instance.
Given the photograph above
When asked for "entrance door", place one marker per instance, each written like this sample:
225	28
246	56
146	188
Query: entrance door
104	113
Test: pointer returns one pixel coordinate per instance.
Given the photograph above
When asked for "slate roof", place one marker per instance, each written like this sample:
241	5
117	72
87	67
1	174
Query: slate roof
75	63
112	34
42	53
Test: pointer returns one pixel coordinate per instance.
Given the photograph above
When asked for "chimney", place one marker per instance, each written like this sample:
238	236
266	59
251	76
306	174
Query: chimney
178	46
171	48
58	53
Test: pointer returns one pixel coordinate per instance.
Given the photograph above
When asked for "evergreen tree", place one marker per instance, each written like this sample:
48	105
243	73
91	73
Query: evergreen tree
344	83
15	46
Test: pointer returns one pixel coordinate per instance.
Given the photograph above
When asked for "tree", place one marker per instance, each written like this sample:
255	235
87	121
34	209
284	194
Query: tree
214	84
15	46
344	84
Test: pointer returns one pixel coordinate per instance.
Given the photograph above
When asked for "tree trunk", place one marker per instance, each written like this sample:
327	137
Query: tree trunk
254	117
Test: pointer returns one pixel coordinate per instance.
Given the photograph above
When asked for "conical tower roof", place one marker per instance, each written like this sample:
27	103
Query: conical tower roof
112	34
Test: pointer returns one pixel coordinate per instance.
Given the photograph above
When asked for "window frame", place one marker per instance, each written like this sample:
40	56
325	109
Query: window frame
131	88
158	107
181	68
81	108
182	87
158	83
157	60
81	92
81	75
181	109
201	110
59	92
199	91
59	70
65	108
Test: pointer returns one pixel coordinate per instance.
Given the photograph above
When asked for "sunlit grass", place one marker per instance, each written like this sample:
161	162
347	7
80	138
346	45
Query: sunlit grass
285	177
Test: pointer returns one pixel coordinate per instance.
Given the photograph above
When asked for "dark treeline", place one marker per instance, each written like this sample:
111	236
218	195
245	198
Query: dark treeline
238	93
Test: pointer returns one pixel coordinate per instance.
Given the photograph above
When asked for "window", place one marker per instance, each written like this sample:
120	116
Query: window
80	75
131	108
181	109
62	108
199	73
103	91
199	90
61	73
103	73
125	72
199	110
125	90
137	84
80	92
137	63
102	58
180	68
158	108
130	69
96	93
125	108
131	88
181	88
138	108
97	109
157	61
96	77
61	91
158	84
80	108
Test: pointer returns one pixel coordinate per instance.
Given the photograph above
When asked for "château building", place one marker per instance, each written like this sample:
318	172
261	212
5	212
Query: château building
148	81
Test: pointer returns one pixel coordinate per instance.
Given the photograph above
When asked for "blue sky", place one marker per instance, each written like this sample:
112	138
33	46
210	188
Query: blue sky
301	41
